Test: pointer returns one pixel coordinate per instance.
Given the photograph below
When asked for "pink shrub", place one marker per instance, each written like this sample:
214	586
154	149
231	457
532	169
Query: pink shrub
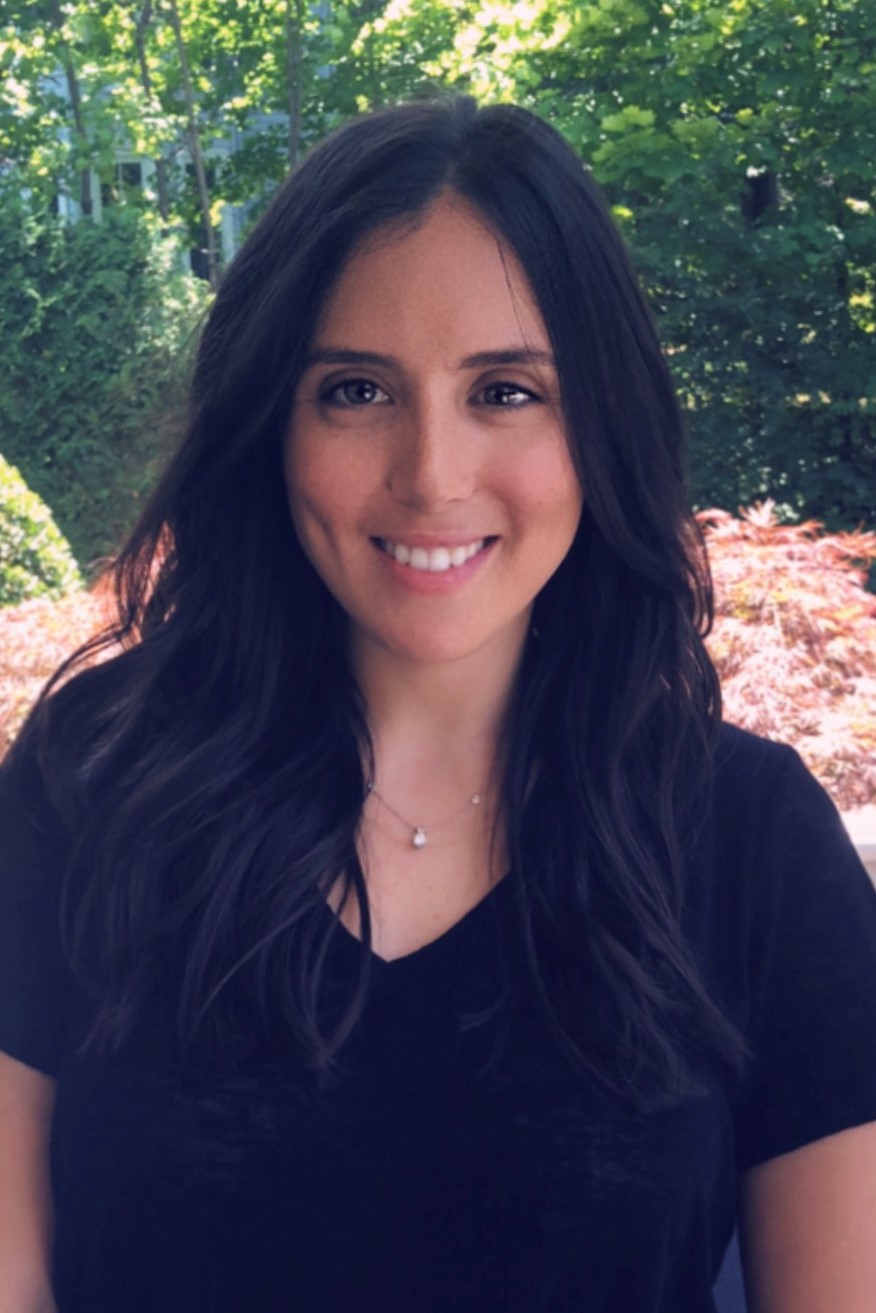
795	641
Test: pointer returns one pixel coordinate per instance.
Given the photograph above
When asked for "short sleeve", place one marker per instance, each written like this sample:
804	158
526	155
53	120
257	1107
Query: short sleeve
35	983
813	996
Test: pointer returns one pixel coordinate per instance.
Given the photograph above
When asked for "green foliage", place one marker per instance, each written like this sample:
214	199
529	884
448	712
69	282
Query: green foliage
123	56
35	560
95	322
685	110
769	318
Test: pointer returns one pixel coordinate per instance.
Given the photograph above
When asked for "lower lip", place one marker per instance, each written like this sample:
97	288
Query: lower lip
438	581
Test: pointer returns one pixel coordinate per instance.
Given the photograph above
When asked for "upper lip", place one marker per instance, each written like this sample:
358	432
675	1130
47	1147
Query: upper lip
430	540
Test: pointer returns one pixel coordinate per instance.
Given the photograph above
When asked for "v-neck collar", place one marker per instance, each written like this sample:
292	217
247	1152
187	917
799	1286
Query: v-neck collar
435	951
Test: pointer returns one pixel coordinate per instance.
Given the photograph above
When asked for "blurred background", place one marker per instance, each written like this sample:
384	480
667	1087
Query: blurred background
735	141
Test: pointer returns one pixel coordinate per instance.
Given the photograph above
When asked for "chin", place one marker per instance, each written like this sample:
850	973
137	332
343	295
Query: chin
432	652
448	645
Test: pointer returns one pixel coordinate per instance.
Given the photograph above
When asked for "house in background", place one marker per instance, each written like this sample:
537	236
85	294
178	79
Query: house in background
138	174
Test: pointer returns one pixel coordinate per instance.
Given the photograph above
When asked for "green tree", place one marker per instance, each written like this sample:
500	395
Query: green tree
735	144
35	560
95	323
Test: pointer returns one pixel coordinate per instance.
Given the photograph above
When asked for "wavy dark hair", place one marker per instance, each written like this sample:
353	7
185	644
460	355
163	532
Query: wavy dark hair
211	774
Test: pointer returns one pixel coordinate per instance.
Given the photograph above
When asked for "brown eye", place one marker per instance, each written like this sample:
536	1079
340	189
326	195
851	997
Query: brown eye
353	392
508	395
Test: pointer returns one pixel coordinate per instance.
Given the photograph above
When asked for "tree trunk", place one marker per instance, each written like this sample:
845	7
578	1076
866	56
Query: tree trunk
57	17
195	145
145	77
370	10
846	423
294	45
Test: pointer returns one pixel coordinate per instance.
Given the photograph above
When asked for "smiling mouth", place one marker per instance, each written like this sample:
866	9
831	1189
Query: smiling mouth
433	560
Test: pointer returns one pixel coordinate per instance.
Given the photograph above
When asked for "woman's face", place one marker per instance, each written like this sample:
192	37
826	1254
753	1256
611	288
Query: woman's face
429	478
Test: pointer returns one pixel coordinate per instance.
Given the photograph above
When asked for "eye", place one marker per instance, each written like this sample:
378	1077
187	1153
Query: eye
353	392
508	396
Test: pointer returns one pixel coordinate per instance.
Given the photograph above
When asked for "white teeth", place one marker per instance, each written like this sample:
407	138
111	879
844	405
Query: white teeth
437	560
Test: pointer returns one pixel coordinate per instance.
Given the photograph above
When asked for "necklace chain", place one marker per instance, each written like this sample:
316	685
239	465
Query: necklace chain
419	833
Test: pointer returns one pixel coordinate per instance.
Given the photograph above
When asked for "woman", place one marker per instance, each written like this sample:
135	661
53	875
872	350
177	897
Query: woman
391	923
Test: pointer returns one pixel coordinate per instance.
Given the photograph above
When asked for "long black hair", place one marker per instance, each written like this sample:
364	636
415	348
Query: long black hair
211	774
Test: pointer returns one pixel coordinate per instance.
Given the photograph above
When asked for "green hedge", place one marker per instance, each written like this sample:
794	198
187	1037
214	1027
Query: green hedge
95	325
35	558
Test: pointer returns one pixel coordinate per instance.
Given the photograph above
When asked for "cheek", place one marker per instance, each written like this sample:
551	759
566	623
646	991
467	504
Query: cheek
545	492
323	493
306	491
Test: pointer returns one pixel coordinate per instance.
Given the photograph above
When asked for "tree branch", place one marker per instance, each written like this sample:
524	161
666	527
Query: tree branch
195	144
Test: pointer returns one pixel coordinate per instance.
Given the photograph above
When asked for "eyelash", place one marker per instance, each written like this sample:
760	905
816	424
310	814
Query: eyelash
329	395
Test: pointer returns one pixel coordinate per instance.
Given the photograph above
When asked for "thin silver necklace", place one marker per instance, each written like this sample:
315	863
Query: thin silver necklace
419	833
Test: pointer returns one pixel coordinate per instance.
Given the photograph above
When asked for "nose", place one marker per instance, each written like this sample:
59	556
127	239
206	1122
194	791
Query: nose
433	457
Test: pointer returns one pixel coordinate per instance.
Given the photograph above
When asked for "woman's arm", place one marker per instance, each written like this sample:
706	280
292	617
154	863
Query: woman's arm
27	1100
808	1227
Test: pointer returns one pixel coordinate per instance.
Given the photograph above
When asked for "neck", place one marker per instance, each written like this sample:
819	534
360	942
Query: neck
436	726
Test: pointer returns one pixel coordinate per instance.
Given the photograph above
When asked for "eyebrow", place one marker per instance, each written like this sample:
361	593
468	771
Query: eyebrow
480	360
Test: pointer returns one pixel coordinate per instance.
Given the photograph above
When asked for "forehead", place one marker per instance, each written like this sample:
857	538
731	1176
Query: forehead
445	282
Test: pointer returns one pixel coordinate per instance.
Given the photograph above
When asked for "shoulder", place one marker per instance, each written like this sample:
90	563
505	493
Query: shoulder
744	762
792	938
775	881
24	798
762	788
35	983
771	825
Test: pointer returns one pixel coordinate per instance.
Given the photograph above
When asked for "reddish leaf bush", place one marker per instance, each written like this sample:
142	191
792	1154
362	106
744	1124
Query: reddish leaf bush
794	641
35	637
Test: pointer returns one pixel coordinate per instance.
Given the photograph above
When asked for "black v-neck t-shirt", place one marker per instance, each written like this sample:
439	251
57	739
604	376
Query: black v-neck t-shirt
456	1162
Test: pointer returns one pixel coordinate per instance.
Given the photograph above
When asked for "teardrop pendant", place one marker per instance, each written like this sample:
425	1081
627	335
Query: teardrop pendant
418	838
